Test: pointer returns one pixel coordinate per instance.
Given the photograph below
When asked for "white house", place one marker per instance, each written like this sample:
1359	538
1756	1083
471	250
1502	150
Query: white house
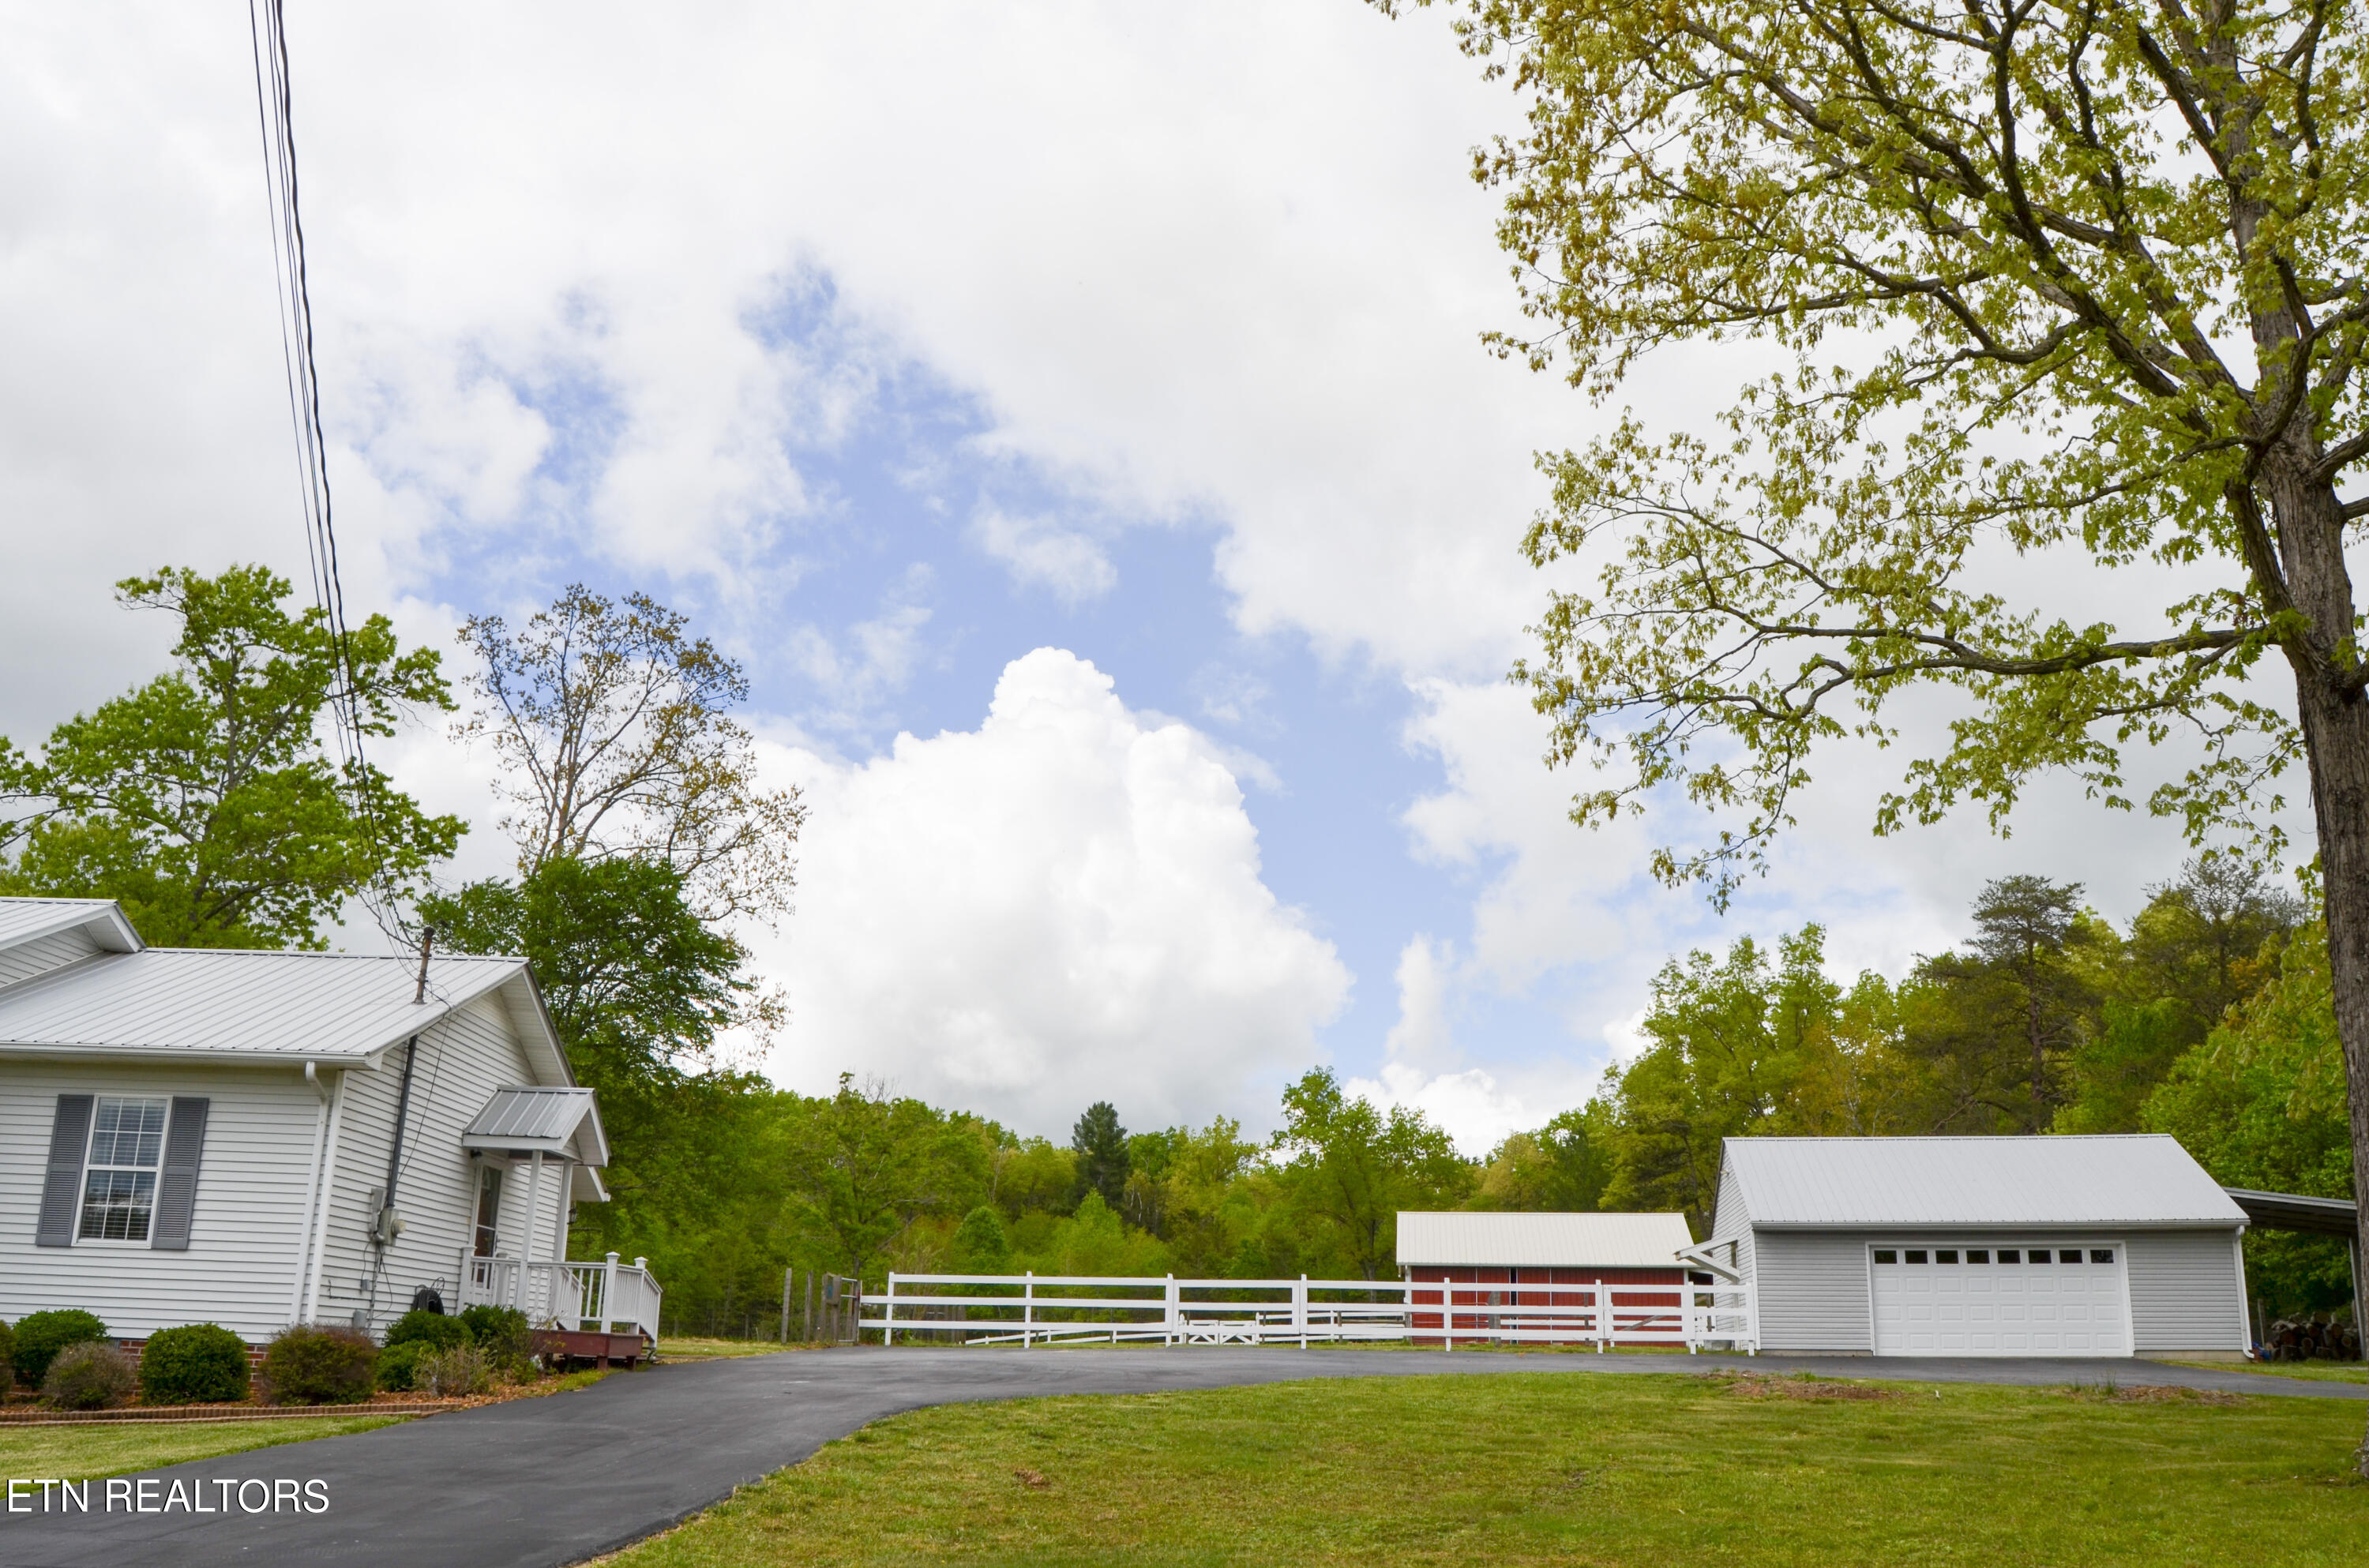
256	1139
1980	1246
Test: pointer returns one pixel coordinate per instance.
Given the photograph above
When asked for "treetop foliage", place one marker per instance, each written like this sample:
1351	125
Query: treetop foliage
208	800
2048	274
613	724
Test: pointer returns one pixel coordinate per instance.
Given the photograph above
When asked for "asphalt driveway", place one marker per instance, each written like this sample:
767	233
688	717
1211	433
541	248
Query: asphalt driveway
542	1483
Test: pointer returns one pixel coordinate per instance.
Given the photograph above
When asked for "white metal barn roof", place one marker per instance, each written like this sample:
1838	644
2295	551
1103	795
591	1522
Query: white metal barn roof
227	1004
545	1119
2119	1179
1541	1240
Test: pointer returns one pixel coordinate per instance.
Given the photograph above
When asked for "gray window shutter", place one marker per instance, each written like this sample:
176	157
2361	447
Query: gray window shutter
176	1185
61	1192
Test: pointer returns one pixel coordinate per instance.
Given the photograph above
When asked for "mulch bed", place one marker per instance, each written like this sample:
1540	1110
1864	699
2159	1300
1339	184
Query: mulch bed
1804	1388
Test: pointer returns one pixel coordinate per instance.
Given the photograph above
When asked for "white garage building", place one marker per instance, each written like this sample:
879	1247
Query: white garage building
1980	1246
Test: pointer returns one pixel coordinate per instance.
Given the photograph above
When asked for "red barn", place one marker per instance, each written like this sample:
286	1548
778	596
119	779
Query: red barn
1545	1277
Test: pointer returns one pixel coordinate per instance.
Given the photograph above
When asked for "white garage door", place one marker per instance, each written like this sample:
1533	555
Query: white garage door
2000	1301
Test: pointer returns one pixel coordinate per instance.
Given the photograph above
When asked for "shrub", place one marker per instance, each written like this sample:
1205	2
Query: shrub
8	1365
463	1369
421	1326
319	1364
41	1335
398	1364
202	1364
89	1374
502	1333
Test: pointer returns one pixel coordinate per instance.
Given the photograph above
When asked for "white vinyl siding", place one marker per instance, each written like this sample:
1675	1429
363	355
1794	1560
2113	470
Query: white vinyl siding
2185	1291
1731	1225
41	955
1812	1291
462	1060
239	1267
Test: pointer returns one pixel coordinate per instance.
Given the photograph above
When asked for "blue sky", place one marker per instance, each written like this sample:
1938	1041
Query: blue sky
895	352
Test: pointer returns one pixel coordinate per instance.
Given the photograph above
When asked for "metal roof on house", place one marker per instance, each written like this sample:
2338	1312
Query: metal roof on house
2114	1179
527	1120
30	920
1541	1240
339	1009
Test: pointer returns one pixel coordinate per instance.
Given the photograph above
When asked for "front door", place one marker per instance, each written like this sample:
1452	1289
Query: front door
1994	1299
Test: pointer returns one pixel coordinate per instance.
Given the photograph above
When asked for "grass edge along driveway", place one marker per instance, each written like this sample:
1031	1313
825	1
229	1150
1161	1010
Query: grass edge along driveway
1516	1468
81	1453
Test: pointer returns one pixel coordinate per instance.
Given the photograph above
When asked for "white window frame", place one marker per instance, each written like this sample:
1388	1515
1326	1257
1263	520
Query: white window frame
92	1166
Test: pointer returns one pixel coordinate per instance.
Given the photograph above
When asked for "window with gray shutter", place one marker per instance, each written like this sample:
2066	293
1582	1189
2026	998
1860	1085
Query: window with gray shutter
176	1187
62	1190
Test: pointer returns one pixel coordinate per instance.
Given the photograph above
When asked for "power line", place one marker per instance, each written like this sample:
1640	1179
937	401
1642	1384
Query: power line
275	119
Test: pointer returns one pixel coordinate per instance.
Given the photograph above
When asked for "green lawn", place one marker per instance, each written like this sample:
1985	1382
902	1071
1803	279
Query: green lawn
704	1349
2309	1371
77	1453
1546	1468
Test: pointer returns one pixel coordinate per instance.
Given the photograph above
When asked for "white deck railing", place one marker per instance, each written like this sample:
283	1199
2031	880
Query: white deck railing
1045	1309
606	1296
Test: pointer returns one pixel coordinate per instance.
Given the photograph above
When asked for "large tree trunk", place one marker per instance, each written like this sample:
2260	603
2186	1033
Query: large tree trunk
2334	716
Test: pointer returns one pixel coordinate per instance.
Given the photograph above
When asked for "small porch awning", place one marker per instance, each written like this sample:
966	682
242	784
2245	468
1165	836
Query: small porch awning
561	1122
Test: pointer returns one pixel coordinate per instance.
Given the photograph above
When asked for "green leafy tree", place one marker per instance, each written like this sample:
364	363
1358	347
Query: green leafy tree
2262	1103
1728	1048
2200	940
637	984
208	801
866	1167
1563	1167
2086	282
637	987
979	1244
1353	1167
1034	1173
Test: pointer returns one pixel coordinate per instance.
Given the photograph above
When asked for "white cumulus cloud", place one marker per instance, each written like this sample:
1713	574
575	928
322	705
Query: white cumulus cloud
1061	906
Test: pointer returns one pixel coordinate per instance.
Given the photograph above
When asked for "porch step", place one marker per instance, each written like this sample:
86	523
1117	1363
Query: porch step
592	1345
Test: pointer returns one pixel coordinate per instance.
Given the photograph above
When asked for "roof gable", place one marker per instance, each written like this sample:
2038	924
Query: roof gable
30	920
1832	1183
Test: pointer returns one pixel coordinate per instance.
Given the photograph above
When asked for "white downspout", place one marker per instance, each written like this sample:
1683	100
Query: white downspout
312	1191
325	1201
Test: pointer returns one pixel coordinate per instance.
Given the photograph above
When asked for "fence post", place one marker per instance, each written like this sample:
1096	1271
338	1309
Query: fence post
1168	1326
1603	1318
1027	1308
888	1332
786	1276
1300	1309
1447	1309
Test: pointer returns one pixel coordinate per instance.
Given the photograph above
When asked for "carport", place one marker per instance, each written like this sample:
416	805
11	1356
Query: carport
2311	1217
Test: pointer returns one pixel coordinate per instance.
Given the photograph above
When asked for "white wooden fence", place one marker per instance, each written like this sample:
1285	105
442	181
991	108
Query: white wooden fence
1046	1308
609	1297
